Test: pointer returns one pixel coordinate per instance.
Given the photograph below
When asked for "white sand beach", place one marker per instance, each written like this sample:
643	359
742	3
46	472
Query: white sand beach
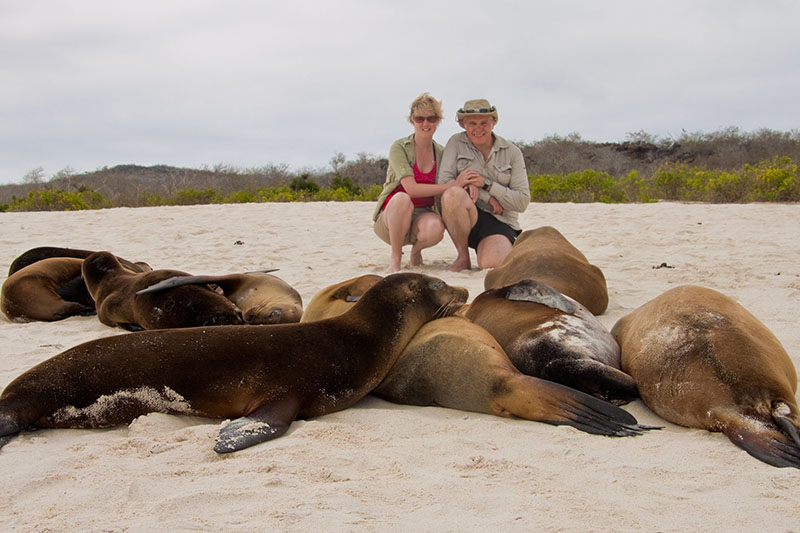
387	467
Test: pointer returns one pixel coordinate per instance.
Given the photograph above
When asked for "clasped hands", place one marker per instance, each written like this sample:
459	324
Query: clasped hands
470	180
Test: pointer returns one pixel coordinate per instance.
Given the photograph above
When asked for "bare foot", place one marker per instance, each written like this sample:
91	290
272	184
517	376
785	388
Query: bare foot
416	259
460	264
394	265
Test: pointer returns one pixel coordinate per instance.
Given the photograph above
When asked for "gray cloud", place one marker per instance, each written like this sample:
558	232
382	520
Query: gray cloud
248	83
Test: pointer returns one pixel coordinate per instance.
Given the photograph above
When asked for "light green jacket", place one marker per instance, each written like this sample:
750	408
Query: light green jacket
505	167
401	163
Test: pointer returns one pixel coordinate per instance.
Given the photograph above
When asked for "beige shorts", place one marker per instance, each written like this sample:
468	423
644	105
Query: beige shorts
382	230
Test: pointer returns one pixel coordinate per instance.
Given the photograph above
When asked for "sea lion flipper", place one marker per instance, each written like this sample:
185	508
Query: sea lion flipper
177	281
593	415
530	290
265	423
598	379
772	447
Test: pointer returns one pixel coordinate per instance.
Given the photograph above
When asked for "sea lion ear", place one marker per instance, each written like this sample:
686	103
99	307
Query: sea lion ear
530	290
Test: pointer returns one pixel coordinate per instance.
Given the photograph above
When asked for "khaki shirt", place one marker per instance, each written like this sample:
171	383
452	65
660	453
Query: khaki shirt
401	162
505	167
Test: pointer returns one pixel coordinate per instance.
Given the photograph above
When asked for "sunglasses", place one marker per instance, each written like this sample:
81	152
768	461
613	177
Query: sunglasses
481	111
433	119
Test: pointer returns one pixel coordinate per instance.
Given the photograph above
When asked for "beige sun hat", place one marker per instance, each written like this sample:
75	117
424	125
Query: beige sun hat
481	106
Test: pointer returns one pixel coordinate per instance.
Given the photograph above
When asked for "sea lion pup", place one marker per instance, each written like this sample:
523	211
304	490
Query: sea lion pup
261	297
336	299
545	255
114	289
48	290
551	336
43	252
452	362
702	360
265	375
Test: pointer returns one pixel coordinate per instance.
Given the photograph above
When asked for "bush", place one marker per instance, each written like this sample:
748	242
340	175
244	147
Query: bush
58	200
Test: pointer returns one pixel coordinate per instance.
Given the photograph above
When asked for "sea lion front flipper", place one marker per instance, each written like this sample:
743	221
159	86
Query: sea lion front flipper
178	281
593	377
268	422
529	290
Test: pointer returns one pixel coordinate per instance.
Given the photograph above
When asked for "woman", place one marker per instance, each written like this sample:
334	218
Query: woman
485	214
406	210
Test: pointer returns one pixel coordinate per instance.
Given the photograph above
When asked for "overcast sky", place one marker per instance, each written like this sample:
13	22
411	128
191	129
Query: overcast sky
92	83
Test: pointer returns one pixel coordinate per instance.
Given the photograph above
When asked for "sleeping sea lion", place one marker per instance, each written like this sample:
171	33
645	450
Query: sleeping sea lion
44	252
114	289
50	289
263	376
551	336
545	255
336	299
702	360
261	297
452	362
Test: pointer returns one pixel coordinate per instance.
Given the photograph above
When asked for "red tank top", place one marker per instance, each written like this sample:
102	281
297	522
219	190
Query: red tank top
419	177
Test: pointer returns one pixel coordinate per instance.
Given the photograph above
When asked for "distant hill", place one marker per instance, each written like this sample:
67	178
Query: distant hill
727	149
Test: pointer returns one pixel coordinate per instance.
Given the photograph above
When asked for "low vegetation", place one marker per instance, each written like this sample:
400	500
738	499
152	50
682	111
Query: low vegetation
722	167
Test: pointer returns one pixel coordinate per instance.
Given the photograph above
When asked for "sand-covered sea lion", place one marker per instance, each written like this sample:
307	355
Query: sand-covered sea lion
551	336
452	362
261	297
48	290
262	376
545	255
702	360
44	252
114	289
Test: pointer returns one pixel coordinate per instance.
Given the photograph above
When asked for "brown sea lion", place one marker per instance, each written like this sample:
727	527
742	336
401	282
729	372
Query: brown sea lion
44	252
551	336
261	297
263	376
702	360
452	362
545	255
114	289
48	290
336	299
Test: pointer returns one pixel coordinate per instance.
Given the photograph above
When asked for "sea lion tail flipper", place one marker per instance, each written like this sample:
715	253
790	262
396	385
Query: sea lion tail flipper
268	422
765	441
556	404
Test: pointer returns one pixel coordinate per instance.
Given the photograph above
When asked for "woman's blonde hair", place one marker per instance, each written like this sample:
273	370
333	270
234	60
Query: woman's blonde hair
425	104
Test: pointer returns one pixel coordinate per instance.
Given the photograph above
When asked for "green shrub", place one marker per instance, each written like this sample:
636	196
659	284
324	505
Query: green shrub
303	184
59	200
195	197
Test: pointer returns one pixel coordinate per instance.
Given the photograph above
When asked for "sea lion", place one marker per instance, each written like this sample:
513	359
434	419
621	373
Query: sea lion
261	297
48	290
545	255
43	252
114	289
702	360
265	375
336	299
452	362
551	336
